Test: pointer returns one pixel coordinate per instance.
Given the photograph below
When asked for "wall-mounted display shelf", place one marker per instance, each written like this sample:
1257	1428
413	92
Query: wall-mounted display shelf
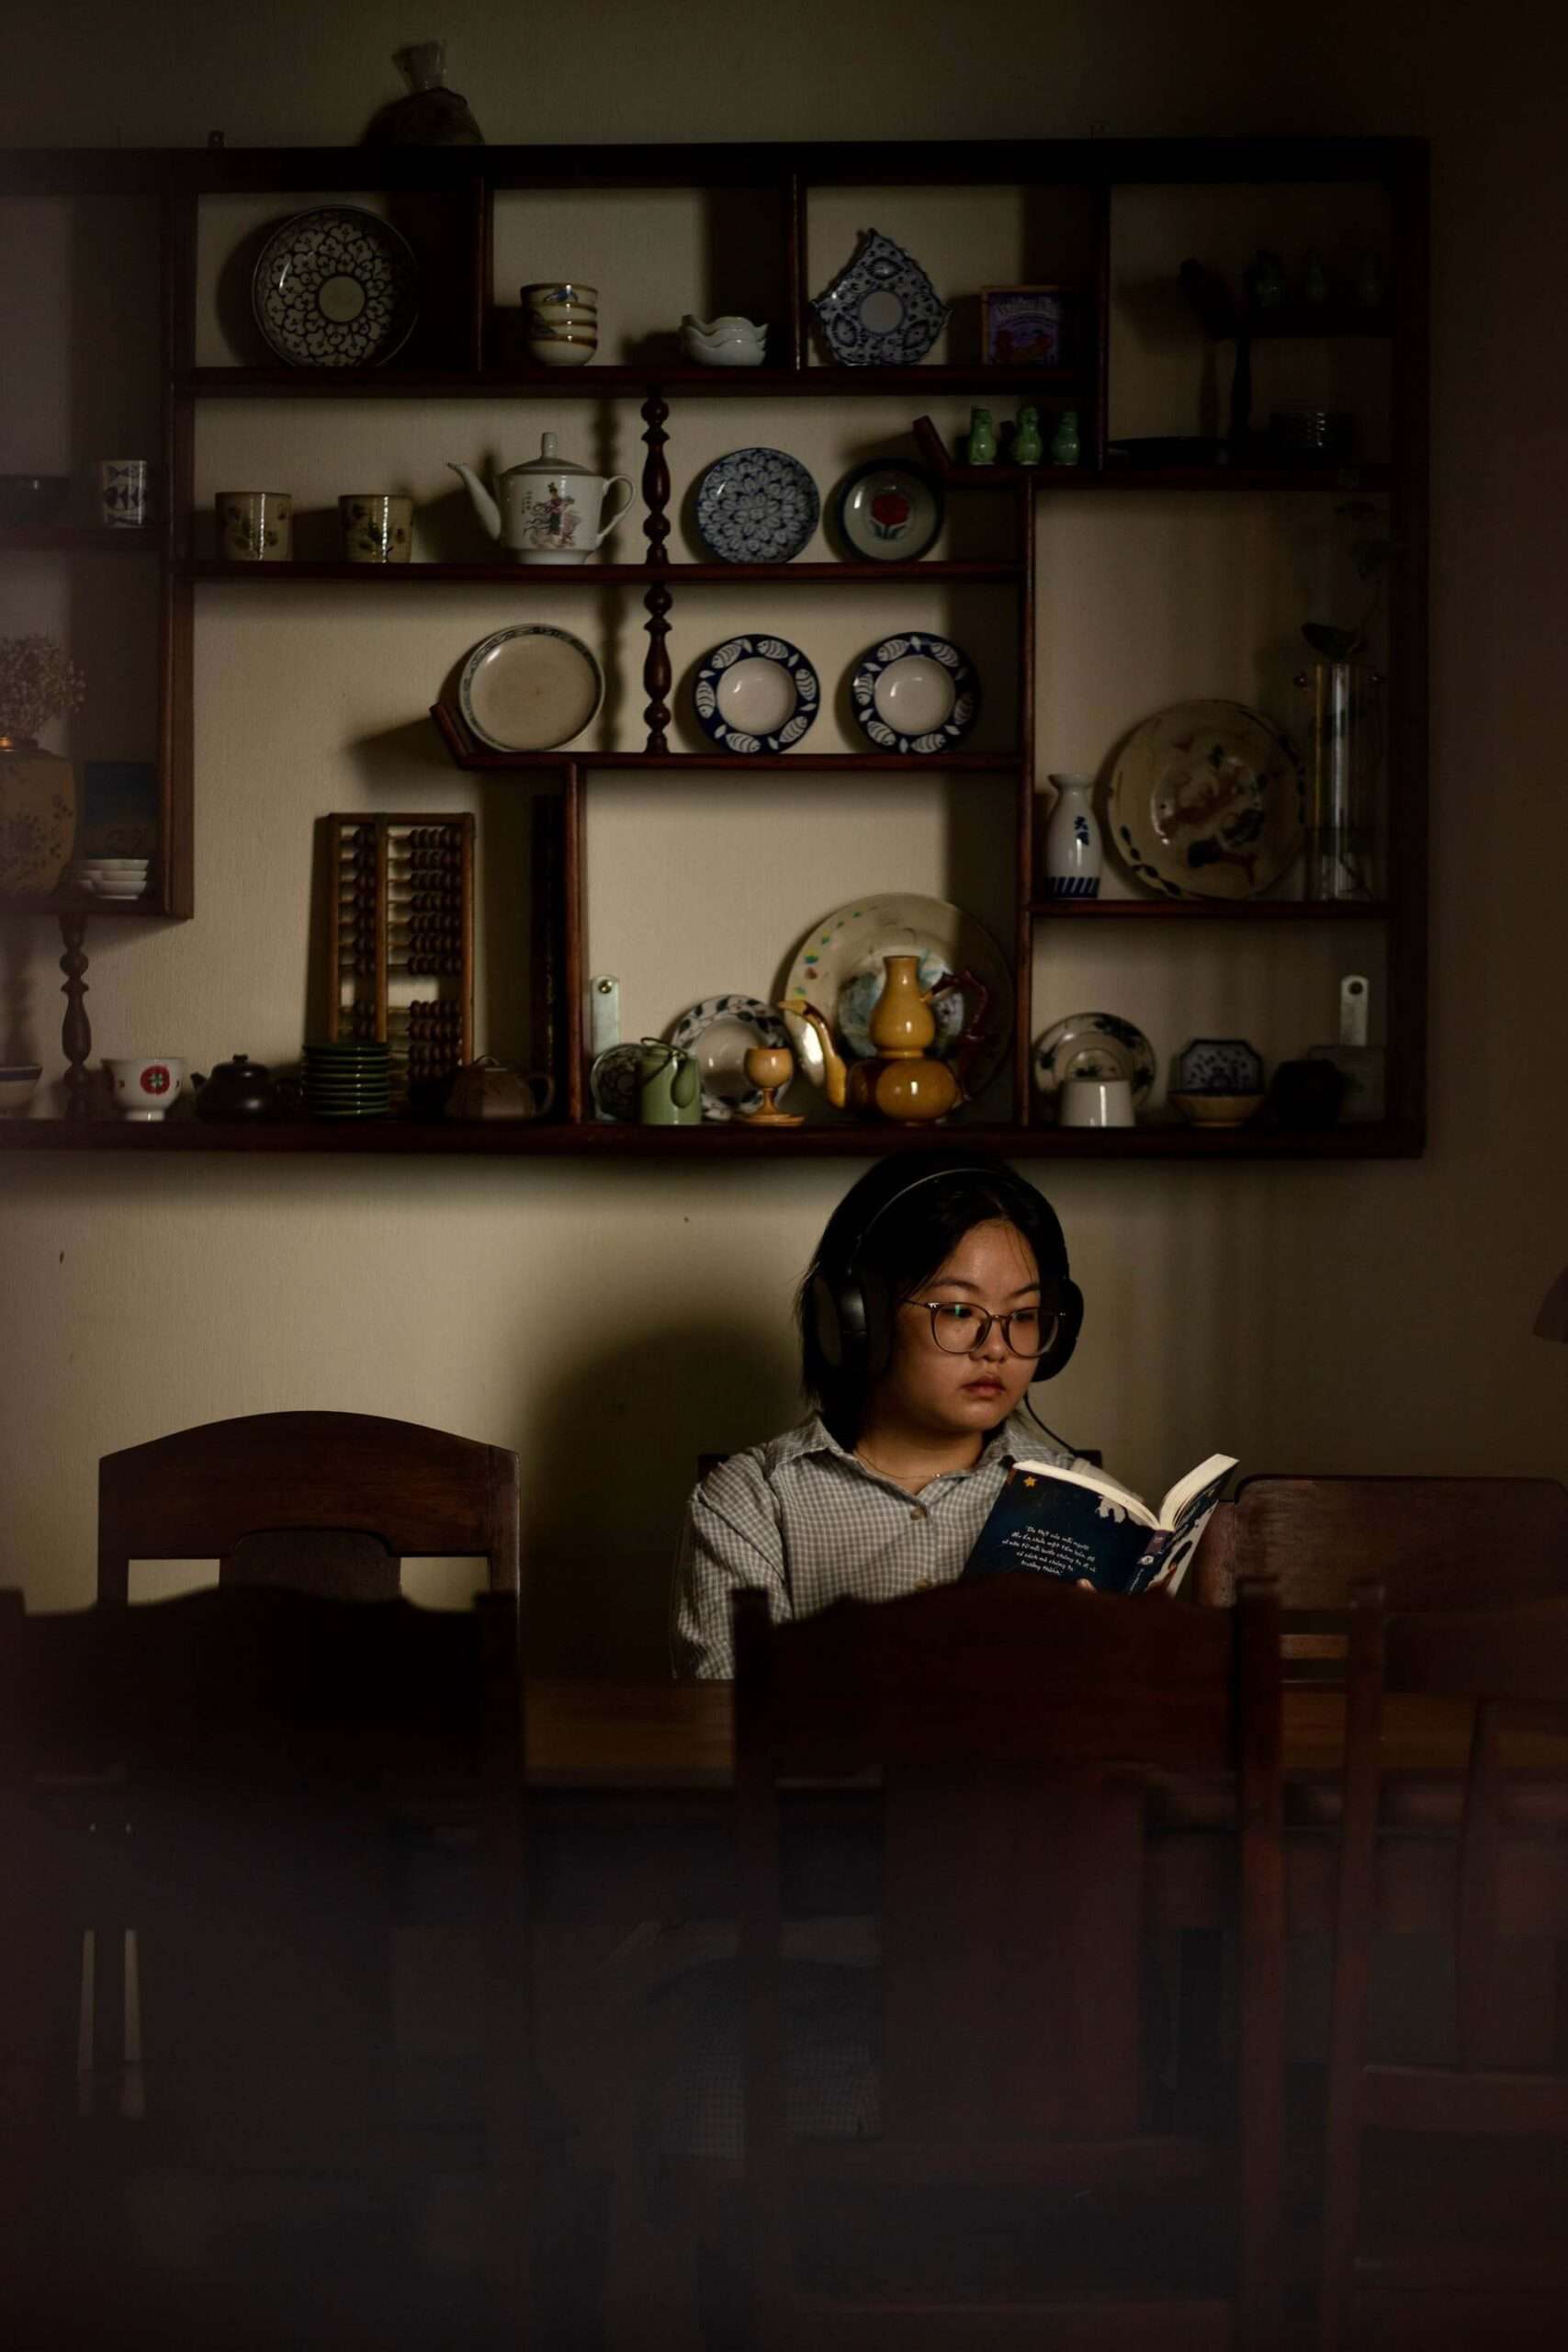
467	346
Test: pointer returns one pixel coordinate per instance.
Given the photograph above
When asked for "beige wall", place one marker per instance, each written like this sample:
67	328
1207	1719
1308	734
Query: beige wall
611	1322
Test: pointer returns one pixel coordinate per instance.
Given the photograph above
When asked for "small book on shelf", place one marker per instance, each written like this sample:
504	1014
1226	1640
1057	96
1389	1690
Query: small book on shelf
1080	1526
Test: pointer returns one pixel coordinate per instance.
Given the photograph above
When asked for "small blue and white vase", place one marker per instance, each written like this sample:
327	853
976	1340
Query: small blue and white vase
1220	1066
1074	850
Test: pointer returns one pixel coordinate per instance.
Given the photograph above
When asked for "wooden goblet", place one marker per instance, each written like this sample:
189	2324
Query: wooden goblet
770	1068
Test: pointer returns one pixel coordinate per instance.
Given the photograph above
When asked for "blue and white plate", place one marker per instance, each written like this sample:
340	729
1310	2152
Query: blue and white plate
883	311
720	1031
1093	1045
756	506
756	694
337	288
915	693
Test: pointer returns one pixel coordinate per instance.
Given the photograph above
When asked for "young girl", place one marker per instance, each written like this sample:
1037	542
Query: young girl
939	1292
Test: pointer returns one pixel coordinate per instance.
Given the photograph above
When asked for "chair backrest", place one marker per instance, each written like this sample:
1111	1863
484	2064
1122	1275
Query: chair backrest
1014	1726
327	1502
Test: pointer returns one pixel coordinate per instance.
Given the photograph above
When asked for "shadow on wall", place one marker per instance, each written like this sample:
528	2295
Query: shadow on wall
607	1468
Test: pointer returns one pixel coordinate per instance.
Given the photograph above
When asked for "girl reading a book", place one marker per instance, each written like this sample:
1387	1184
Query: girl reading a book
939	1292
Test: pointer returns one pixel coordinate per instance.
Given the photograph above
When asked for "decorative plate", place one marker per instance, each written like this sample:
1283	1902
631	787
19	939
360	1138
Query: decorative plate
529	688
756	694
889	510
915	693
1207	801
615	1083
1094	1045
335	289
838	969
756	506
883	311
720	1031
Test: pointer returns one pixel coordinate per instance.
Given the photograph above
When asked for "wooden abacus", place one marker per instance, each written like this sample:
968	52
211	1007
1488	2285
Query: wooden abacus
401	912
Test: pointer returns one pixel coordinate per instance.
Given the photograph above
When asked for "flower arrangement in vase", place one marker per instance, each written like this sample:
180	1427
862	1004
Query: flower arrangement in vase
39	682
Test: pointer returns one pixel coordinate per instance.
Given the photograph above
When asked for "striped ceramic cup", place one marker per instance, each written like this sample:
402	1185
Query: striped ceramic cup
562	320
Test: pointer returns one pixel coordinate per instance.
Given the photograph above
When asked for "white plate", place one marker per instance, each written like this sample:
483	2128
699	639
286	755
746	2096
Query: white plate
838	969
915	693
1093	1045
756	694
720	1031
530	688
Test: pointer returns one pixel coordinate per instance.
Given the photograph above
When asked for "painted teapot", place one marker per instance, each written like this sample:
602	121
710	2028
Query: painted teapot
549	510
902	1080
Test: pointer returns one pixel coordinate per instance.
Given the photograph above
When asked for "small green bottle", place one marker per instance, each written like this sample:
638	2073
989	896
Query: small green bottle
1065	449
982	447
1028	449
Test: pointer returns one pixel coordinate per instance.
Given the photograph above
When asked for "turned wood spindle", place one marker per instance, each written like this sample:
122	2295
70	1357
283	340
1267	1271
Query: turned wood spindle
75	1030
657	674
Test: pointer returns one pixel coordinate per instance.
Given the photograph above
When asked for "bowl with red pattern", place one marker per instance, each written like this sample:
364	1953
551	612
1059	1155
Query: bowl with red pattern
145	1084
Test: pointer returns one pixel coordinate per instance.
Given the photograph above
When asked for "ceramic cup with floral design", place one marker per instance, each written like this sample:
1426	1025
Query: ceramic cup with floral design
561	321
144	1086
378	528
256	526
122	492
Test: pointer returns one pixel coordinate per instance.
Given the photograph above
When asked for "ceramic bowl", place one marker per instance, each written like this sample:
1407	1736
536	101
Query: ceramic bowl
728	342
17	1081
33	498
145	1084
1216	1110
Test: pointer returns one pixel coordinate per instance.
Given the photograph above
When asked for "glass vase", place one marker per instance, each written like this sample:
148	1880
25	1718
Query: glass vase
1345	744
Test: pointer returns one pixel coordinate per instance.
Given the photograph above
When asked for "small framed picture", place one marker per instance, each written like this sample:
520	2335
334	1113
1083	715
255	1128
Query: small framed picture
1025	326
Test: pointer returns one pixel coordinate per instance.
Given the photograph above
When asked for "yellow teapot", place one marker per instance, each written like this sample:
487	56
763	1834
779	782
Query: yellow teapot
903	1080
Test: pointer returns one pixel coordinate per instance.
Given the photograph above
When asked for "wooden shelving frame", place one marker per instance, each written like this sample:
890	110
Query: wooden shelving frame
460	353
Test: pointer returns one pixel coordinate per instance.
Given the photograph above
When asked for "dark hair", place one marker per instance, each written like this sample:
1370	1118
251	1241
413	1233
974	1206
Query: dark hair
894	1244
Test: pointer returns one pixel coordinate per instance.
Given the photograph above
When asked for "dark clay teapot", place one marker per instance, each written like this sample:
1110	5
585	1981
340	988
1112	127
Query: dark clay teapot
240	1089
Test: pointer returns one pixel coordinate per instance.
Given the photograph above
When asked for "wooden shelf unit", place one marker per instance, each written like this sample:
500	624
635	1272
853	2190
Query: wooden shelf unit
458	352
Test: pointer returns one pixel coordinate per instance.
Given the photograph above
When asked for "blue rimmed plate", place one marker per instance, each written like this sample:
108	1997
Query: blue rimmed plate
882	311
757	506
720	1031
915	693
337	288
756	694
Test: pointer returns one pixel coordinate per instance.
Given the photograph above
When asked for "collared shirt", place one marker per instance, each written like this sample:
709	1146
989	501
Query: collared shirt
808	1524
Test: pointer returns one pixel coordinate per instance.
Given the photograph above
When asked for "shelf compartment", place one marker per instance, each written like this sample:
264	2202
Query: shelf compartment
529	1139
621	384
1210	909
962	570
1341	480
467	753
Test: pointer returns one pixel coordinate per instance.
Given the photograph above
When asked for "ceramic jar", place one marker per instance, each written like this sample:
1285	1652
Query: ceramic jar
122	492
256	526
1220	1066
377	527
1074	850
38	818
561	321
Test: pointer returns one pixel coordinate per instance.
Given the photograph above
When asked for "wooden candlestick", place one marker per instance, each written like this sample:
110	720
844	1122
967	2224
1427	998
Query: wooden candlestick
770	1068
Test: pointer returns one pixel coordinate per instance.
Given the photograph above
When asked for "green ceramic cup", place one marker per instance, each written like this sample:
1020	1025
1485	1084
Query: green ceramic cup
670	1092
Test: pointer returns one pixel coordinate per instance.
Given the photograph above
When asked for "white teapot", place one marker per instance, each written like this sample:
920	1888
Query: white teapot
548	511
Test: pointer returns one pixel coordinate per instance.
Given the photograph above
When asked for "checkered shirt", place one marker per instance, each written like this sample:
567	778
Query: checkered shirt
808	1524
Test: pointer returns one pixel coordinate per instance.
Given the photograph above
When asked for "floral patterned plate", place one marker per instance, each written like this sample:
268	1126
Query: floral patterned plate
756	506
915	693
720	1031
335	289
838	968
889	511
882	311
1207	801
1093	1045
756	694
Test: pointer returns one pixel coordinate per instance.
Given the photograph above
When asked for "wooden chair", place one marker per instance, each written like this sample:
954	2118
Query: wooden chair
1015	1728
1431	1543
323	1502
1477	2252
205	1797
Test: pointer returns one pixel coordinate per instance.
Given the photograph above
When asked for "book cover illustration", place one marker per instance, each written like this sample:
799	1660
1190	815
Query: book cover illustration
1082	1527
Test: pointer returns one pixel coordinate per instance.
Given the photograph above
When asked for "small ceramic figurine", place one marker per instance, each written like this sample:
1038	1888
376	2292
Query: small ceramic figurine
982	445
1314	279
1065	445
1028	449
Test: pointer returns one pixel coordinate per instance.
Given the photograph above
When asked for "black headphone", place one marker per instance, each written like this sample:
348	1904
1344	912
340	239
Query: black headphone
852	1317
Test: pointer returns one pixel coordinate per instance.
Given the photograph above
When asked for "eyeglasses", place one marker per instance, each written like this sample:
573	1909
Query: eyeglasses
960	1330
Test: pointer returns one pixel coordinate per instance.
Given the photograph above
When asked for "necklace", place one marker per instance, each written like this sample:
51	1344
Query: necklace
910	1485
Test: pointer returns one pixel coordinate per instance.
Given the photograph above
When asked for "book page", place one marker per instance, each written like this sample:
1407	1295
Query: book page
1192	1492
1098	1483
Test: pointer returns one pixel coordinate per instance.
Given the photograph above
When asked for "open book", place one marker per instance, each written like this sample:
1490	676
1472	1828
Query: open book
1080	1526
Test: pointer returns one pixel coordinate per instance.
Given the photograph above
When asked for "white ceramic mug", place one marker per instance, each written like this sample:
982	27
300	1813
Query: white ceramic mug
145	1087
1095	1102
122	492
377	526
256	526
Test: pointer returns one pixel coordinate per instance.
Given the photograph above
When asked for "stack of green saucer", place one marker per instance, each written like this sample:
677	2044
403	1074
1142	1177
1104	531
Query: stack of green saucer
348	1082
